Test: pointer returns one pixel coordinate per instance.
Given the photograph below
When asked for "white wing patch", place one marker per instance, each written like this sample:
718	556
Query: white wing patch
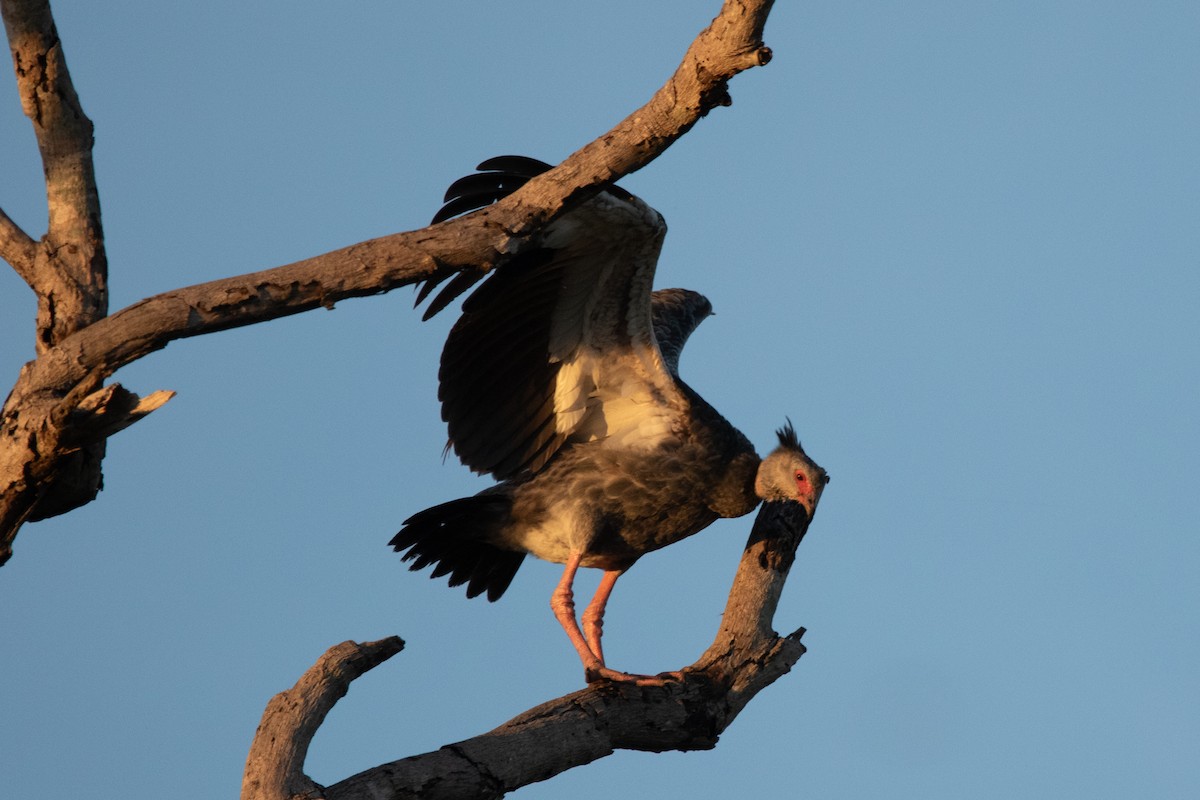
611	396
612	383
572	391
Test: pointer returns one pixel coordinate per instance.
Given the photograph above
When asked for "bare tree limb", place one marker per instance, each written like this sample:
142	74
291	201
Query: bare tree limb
40	407
114	408
17	248
275	766
70	275
59	414
68	268
690	714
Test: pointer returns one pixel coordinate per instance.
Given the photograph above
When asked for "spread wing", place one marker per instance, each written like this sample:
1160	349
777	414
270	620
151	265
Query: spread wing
675	313
559	344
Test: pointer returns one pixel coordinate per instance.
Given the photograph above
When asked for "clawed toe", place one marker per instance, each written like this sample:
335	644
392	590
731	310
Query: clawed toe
597	674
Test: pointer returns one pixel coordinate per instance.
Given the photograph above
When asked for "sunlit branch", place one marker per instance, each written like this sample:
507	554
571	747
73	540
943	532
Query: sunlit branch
686	714
72	366
17	248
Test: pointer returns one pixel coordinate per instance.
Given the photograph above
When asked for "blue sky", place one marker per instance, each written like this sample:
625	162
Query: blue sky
956	243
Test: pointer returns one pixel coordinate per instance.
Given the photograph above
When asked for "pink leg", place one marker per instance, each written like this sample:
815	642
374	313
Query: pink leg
593	615
562	603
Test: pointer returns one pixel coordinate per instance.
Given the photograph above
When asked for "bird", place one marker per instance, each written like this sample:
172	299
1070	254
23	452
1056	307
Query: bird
561	380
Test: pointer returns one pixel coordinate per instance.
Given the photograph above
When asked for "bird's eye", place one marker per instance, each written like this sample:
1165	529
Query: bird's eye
801	478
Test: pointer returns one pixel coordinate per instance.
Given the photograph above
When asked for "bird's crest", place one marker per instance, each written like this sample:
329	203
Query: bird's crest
787	437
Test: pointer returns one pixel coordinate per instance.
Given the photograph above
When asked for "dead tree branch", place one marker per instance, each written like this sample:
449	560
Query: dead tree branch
275	766
17	248
690	714
69	272
81	350
67	269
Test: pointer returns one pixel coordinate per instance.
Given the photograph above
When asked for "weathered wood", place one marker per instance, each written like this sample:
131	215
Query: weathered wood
68	268
36	417
55	420
687	714
17	248
70	274
275	766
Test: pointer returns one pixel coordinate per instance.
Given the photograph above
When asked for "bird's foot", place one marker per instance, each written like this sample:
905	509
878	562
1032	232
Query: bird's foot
602	673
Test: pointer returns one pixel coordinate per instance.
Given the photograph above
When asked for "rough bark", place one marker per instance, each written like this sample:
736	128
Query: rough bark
275	766
687	714
59	414
50	454
67	269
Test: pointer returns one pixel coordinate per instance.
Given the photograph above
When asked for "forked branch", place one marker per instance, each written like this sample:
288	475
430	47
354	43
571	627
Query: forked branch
36	444
689	714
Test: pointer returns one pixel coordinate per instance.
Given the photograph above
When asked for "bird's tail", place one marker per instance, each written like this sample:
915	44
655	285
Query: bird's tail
455	536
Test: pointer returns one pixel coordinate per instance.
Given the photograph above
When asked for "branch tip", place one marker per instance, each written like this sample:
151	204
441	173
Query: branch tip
18	249
275	765
108	411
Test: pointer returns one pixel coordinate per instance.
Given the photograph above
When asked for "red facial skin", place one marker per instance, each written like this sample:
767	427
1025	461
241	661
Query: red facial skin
805	491
808	489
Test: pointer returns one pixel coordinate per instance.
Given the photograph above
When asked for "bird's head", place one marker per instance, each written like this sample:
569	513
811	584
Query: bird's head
789	475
